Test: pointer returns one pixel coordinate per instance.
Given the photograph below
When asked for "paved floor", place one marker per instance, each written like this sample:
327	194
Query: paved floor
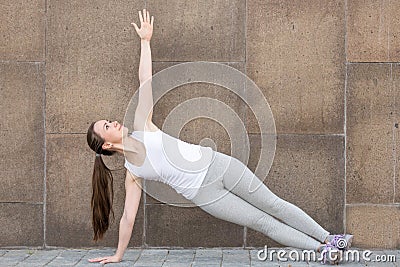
178	257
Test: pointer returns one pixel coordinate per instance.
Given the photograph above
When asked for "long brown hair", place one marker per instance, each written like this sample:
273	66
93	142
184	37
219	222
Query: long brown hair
102	185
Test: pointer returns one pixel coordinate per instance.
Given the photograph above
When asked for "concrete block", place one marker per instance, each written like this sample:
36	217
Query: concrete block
22	224
39	258
373	31
68	257
201	31
23	30
374	226
295	55
394	31
370	107
22	132
152	257
14	257
396	129
182	256
236	256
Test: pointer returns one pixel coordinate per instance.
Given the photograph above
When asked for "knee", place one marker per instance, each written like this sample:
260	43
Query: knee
264	224
275	205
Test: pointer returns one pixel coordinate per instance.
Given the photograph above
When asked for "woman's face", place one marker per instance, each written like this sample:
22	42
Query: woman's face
109	131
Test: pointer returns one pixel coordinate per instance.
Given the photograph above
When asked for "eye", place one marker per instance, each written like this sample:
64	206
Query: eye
107	125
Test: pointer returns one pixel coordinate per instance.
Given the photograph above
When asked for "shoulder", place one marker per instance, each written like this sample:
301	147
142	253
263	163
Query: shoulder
131	178
150	127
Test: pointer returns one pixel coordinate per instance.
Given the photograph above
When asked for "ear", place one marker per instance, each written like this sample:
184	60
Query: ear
107	145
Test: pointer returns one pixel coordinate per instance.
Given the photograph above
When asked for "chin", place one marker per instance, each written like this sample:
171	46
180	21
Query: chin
124	130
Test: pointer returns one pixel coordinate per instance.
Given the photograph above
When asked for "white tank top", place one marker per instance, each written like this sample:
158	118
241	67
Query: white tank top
172	161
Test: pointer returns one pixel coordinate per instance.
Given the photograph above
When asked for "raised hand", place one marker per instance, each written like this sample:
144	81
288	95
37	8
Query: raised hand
146	25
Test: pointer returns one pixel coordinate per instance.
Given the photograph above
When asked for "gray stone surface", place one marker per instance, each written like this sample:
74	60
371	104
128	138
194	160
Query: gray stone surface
13	257
396	129
370	129
209	257
182	257
40	257
21	224
22	28
296	55
377	40
236	256
381	222
22	132
160	257
207	30
68	257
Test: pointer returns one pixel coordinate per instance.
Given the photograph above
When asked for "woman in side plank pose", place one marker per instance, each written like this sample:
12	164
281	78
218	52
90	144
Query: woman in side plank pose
227	198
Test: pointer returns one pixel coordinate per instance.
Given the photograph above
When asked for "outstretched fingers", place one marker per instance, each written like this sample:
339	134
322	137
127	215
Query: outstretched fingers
97	259
140	17
144	15
107	260
146	25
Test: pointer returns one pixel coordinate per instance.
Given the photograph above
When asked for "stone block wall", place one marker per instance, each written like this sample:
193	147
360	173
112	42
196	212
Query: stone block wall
329	70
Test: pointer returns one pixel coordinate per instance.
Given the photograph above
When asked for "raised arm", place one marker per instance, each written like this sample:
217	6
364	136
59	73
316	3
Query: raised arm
133	187
144	110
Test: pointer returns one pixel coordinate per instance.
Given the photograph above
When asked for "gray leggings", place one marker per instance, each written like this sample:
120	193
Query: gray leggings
225	195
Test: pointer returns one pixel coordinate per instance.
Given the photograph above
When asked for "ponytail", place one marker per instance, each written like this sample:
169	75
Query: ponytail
102	198
102	187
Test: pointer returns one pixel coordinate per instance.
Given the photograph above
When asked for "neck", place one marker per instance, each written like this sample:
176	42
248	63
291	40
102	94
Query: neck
118	148
128	145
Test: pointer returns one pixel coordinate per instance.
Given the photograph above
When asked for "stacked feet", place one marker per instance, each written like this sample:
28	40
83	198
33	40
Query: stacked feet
332	251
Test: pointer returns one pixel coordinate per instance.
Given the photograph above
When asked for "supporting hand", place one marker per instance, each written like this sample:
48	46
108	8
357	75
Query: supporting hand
104	260
146	25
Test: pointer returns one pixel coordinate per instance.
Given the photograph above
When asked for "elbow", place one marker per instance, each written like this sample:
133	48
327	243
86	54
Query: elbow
145	79
129	220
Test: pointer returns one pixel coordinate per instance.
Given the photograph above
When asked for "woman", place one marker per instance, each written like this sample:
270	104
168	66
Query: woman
255	210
